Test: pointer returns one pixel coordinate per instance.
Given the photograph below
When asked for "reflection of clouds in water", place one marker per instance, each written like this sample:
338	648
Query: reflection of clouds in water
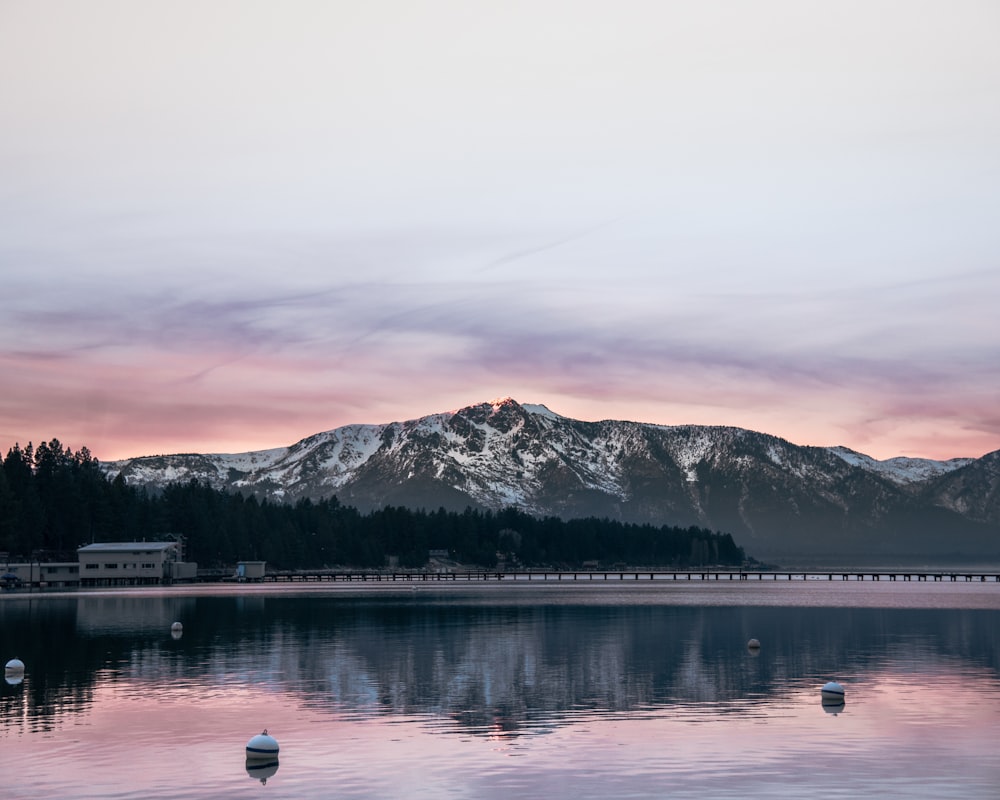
382	695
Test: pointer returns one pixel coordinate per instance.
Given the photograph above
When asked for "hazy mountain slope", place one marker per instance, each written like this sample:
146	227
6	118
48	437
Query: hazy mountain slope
972	491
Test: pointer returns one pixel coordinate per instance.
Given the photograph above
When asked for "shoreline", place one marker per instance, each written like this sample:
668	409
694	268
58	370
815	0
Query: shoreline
974	595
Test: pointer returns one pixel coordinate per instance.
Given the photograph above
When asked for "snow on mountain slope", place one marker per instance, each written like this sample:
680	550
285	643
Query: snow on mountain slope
901	470
499	449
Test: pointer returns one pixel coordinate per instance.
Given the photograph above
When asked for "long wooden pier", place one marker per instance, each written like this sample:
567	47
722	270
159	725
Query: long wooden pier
619	575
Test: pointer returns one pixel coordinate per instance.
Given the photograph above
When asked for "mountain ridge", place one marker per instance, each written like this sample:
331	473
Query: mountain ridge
778	499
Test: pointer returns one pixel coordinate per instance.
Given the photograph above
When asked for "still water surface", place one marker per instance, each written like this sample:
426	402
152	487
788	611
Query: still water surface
505	691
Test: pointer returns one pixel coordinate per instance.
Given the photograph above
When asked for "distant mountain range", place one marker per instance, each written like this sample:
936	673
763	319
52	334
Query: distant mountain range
780	501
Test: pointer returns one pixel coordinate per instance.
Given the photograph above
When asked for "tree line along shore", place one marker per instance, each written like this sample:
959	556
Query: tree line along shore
54	500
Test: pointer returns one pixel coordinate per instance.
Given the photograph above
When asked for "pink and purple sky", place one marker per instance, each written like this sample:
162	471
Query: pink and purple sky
226	225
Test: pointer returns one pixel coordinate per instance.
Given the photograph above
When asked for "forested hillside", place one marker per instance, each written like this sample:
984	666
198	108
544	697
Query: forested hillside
53	500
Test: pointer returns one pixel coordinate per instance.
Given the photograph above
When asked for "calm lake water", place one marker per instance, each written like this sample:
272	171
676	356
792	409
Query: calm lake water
505	691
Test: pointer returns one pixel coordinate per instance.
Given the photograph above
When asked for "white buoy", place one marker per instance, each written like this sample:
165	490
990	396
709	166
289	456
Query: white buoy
753	644
176	627
833	692
262	746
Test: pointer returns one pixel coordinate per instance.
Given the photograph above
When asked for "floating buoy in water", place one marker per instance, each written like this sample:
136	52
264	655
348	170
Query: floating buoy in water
753	644
176	627
262	746
832	692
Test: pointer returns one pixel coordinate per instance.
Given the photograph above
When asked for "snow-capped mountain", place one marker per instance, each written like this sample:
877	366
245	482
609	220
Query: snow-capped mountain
776	498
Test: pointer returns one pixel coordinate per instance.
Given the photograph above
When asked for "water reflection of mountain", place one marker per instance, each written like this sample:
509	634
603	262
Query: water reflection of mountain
481	666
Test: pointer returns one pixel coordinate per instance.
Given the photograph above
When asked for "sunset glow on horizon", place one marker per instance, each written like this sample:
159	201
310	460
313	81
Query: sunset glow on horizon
230	226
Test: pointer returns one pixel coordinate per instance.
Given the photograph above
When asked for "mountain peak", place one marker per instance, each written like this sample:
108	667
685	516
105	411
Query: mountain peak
503	401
